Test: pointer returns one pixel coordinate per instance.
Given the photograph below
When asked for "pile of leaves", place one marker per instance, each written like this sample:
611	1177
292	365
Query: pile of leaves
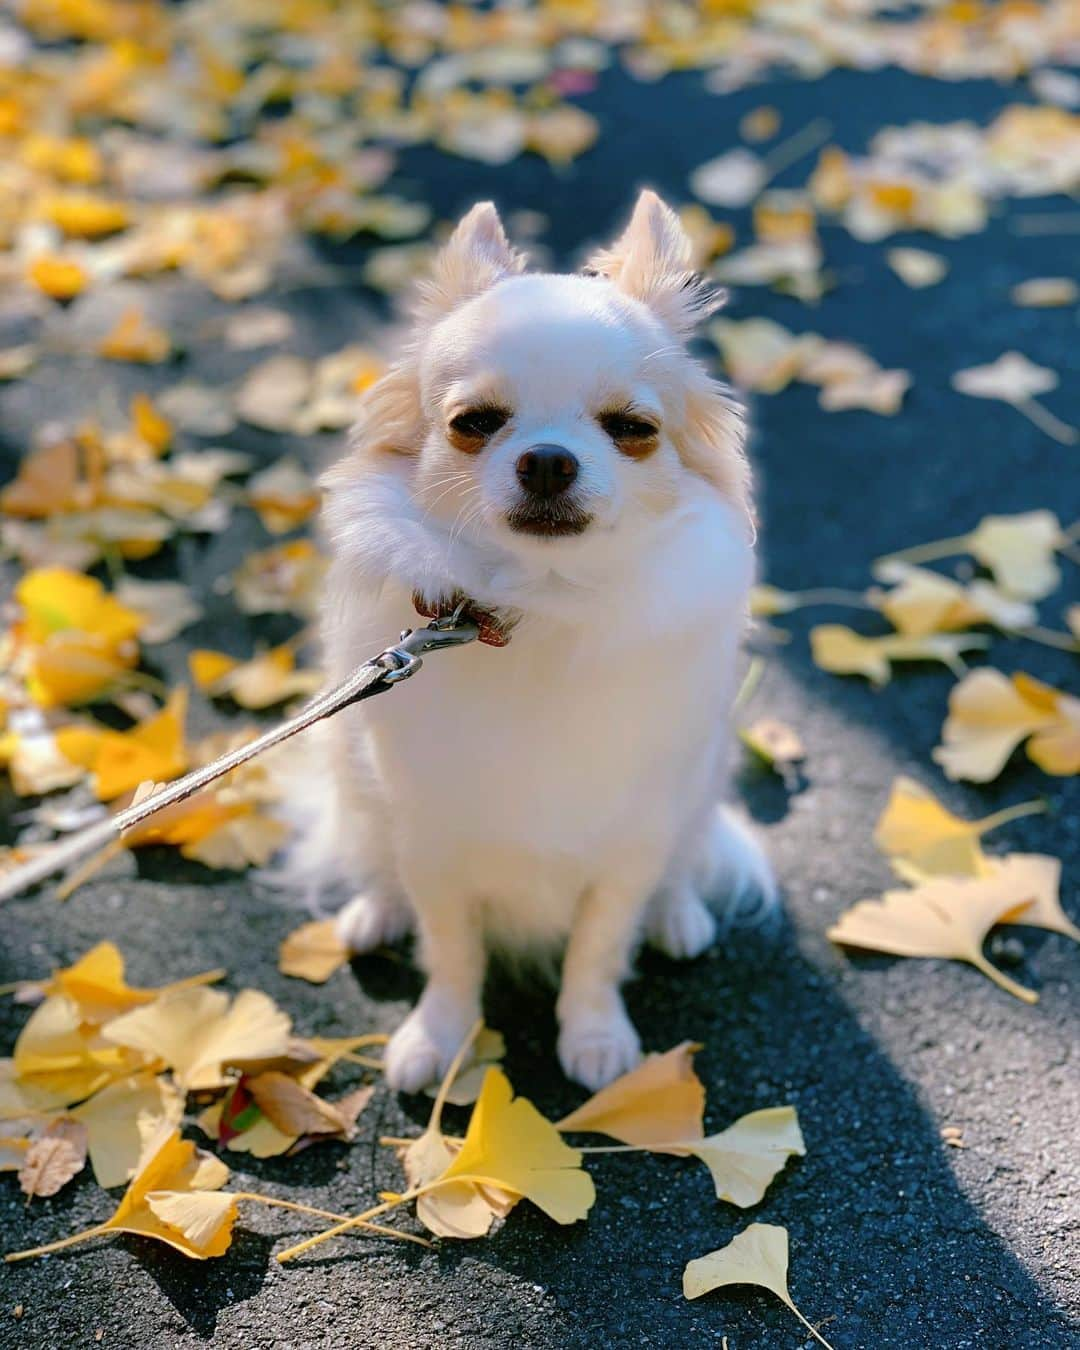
113	1072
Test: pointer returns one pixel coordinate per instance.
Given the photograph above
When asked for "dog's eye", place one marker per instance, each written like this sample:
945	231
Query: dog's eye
478	424
633	435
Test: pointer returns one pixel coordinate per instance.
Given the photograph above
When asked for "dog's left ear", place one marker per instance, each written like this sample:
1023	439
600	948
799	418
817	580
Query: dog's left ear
651	262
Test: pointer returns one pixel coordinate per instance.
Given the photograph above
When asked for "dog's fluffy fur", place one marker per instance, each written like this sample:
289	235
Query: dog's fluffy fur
563	791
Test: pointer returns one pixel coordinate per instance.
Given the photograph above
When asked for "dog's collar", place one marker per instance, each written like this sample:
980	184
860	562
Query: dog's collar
495	625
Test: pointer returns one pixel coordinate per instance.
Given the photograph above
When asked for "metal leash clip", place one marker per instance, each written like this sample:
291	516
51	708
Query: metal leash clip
445	630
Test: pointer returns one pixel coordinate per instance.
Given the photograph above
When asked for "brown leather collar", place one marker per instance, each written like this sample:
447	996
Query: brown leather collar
495	626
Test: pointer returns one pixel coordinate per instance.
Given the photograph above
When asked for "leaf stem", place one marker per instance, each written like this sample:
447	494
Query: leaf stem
299	1208
1002	980
937	548
48	1247
789	152
1049	637
1045	420
1032	808
810	1327
834	595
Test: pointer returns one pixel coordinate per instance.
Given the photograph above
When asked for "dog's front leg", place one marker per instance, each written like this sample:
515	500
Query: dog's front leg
597	1040
452	953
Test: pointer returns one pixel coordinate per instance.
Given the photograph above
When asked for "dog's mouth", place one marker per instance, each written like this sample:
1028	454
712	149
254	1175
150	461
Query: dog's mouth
548	520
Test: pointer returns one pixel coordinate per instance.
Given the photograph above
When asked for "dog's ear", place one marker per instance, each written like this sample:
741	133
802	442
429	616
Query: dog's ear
651	262
472	260
710	438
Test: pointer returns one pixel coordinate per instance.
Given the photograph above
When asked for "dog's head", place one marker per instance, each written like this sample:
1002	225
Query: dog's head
550	413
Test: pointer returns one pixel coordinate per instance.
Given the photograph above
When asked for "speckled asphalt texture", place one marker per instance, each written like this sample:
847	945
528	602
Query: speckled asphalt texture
896	1239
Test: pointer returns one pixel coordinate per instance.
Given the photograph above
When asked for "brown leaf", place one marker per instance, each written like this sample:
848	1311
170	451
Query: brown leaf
53	1158
293	1108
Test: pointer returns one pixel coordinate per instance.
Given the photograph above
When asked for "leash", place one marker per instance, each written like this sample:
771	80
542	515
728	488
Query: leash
377	676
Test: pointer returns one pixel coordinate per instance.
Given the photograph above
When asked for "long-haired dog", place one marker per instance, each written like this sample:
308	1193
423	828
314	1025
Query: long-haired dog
546	447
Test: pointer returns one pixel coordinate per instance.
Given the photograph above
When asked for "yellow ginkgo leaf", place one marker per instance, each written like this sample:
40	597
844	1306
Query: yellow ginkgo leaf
759	1255
924	602
269	678
203	1218
58	277
81	215
1018	549
944	917
134	338
112	1116
57	1052
313	952
121	760
655	1105
150	425
463	1087
55	600
917	829
842	651
744	1158
990	714
775	743
198	1032
510	1145
283	495
170	1166
96	984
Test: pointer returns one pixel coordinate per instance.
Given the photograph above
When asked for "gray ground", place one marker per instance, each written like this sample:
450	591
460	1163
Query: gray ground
897	1240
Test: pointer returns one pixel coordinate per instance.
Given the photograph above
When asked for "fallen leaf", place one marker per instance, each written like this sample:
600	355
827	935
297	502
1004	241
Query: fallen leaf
917	830
760	354
204	1219
121	760
924	602
944	917
56	1155
758	1255
295	1110
1014	379
60	1055
991	713
744	1158
112	1116
166	607
96	984
135	339
198	1032
58	277
269	678
843	652
273	393
488	1047
313	952
81	215
281	580
16	361
775	743
255	327
732	179
659	1102
510	1145
916	267
1019	550
882	392
284	496
1045	292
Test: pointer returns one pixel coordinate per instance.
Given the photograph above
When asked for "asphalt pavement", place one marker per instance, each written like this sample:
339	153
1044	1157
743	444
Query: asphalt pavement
897	1240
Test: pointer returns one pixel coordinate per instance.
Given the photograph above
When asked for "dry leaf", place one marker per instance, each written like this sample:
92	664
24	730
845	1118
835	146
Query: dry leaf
58	1054
112	1116
882	392
134	338
488	1047
121	760
990	714
1045	292
96	984
284	496
917	268
509	1144
273	393
732	179
923	602
313	952
269	678
774	742
758	1255
917	830
945	917
53	1158
198	1032
167	607
659	1102
293	1108
744	1158
844	652
1014	379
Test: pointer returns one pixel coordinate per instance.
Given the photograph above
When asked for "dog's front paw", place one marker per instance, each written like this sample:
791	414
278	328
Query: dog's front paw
421	1050
372	920
679	924
594	1052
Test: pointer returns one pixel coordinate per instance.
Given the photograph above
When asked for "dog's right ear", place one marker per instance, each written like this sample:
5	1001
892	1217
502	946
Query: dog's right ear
475	257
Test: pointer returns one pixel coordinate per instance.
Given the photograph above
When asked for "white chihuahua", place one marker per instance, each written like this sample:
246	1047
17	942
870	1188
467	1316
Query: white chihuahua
546	447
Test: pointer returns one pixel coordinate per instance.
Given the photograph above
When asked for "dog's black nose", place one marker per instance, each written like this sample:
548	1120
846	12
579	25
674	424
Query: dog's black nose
546	470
